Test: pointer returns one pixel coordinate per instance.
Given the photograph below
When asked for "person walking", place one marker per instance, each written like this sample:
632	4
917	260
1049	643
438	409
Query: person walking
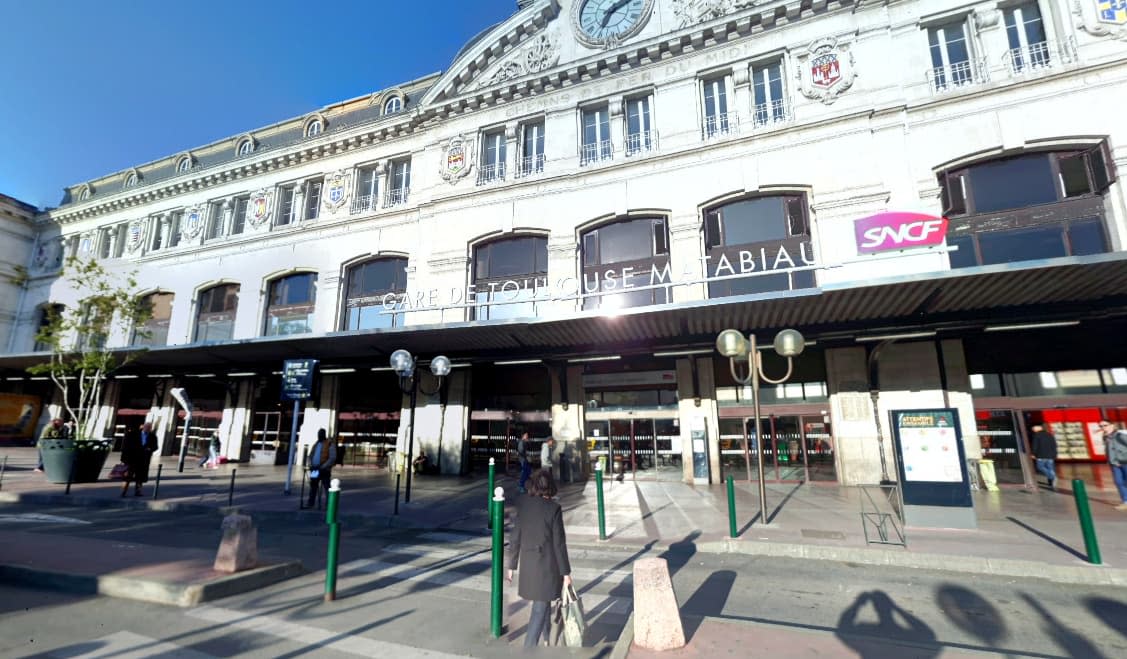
136	452
213	448
1116	440
547	456
538	550
525	466
1044	447
321	460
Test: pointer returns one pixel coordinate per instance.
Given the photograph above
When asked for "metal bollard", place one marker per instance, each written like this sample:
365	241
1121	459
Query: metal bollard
397	477
231	491
1080	493
599	501
70	474
334	540
489	497
304	474
732	508
156	485
498	514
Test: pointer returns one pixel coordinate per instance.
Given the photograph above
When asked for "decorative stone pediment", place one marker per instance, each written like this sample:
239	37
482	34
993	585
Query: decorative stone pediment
542	54
694	12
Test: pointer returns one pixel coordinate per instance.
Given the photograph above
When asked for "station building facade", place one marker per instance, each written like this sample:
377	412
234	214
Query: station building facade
593	191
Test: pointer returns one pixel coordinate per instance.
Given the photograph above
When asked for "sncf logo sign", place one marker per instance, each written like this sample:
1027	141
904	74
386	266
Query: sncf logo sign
887	231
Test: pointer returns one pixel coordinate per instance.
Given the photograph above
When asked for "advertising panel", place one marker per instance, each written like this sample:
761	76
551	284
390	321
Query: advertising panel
18	416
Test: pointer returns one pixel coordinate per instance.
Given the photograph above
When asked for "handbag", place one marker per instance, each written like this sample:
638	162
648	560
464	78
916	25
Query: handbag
119	471
574	623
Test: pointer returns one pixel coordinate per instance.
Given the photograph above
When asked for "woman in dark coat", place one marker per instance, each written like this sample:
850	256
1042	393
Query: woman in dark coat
136	451
540	545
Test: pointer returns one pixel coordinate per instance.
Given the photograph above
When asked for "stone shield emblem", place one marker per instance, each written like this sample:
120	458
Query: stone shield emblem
336	191
456	160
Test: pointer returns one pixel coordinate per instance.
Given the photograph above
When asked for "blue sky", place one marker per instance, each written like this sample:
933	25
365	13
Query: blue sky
91	88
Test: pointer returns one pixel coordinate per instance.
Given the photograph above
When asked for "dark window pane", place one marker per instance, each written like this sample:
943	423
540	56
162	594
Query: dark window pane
1021	245
1012	183
750	285
753	220
1102	175
1087	238
964	256
591	247
802	279
796	216
511	257
626	241
1074	175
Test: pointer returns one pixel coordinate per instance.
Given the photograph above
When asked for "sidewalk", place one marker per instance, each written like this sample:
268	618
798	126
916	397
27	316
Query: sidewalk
1020	533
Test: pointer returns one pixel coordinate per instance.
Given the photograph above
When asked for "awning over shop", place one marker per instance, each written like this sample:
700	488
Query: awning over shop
957	303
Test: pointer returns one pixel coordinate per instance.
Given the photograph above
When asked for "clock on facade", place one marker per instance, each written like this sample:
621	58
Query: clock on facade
607	23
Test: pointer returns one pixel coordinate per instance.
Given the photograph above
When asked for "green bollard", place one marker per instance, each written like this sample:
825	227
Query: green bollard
1086	526
599	500
489	498
498	562
732	508
334	540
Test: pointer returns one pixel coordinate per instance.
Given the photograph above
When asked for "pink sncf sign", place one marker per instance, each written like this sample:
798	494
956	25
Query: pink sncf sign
893	230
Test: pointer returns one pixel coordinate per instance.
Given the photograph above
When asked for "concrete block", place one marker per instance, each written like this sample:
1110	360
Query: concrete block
238	550
657	621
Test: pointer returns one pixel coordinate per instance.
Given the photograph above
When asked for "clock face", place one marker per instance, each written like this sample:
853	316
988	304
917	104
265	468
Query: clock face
608	22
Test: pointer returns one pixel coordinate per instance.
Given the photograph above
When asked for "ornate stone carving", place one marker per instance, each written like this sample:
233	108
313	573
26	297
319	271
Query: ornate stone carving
541	55
456	161
694	12
258	210
336	190
986	18
1103	18
135	235
193	223
826	70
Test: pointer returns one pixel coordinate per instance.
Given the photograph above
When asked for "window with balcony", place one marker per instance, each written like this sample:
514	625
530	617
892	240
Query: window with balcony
369	284
400	183
596	135
214	220
767	92
1032	206
215	313
492	157
717	119
1026	34
286	212
952	65
624	255
508	275
754	245
639	128
290	303
313	199
239	207
367	185
532	148
154	331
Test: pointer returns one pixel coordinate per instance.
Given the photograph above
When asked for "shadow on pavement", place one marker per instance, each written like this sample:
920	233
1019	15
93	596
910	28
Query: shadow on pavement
971	613
1112	613
1048	538
1069	641
680	552
894	629
775	512
708	600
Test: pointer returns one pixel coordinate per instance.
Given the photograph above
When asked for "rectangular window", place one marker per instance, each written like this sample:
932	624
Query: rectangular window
158	230
312	199
175	221
717	121
767	88
1012	183
239	214
119	244
950	55
492	157
400	183
285	206
639	128
596	135
366	182
1025	32
215	220
532	148
104	243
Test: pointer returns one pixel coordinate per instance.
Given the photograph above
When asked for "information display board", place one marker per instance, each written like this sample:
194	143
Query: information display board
933	468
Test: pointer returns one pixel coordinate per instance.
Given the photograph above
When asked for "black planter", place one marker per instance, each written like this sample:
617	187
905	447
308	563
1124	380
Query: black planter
85	457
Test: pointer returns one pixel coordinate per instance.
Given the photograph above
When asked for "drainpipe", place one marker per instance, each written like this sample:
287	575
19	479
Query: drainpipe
874	394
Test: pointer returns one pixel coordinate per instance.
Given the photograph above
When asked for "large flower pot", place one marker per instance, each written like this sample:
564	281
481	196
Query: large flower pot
86	457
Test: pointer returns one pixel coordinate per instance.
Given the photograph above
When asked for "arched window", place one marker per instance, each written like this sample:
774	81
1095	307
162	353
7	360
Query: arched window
393	104
184	164
49	317
313	128
154	331
290	303
508	274
368	285
1031	206
131	180
246	147
215	314
763	238
622	255
84	193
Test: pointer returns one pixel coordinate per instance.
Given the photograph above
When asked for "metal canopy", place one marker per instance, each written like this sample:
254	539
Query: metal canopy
964	300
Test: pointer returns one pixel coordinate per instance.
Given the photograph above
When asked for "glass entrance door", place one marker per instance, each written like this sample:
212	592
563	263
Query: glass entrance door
795	448
640	448
266	438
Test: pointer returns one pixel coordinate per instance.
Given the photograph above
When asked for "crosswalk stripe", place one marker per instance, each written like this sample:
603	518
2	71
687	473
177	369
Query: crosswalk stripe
313	636
127	645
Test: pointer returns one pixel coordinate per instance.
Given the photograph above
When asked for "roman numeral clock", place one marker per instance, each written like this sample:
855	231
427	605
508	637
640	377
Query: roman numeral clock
607	23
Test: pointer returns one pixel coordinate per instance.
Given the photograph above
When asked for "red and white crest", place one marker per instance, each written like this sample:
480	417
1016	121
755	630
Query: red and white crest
826	70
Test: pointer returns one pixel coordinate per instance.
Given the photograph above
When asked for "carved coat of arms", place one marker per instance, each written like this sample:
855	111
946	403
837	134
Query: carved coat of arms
456	160
259	208
1103	18
193	223
336	190
135	235
826	70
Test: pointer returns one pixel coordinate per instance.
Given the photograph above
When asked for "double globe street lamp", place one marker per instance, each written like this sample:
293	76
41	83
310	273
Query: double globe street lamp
732	344
404	366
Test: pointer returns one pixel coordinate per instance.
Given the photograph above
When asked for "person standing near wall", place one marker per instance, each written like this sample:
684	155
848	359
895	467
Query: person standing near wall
1044	447
321	460
525	466
1116	440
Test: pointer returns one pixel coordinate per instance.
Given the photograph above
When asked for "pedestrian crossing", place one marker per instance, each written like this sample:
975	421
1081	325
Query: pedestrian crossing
127	645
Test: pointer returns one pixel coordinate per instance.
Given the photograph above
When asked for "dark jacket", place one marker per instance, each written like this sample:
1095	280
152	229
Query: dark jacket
137	455
323	466
1044	446
538	549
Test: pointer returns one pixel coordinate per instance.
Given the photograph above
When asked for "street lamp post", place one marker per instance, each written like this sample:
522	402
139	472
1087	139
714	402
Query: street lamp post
732	344
405	367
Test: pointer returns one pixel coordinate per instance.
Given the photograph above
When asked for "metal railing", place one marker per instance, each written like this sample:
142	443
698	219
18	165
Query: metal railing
1035	57
957	75
596	151
395	197
773	112
363	203
491	173
530	165
720	125
642	142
